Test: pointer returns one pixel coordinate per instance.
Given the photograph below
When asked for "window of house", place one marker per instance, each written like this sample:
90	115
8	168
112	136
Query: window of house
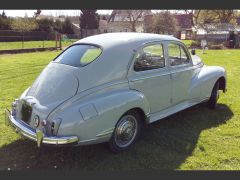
150	57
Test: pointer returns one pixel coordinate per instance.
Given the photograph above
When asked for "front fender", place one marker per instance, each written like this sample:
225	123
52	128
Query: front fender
208	76
94	118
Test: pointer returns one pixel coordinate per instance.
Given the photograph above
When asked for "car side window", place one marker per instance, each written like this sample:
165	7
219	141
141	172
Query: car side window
150	57
177	55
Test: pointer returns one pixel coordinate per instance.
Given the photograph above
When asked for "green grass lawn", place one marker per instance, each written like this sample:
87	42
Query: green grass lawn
196	138
32	44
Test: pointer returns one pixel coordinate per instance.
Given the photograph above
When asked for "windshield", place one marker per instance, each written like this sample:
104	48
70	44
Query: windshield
79	55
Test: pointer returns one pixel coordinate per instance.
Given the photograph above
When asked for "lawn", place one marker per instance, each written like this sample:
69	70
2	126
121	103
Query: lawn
196	138
32	44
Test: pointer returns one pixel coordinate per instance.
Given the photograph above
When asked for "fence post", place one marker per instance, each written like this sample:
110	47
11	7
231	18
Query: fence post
56	39
22	40
60	41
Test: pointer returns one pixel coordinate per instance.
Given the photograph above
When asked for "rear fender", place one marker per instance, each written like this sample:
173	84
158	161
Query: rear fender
97	116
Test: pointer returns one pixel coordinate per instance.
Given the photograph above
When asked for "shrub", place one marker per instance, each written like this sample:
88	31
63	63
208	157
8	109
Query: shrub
217	46
195	44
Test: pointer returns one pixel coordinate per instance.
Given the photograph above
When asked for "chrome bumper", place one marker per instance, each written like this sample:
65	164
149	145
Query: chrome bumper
37	135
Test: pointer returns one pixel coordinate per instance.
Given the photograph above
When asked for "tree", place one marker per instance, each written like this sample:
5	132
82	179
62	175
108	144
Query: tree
67	27
46	25
134	16
24	24
215	16
58	26
4	22
89	19
37	13
3	15
164	23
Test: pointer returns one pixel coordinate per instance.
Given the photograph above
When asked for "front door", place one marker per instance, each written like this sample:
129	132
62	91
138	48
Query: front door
181	70
150	75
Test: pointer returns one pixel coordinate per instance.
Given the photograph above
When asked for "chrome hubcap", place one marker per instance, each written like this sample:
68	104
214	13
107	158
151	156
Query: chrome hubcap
126	131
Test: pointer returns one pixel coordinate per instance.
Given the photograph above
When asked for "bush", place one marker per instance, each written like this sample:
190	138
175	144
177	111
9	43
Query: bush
195	44
217	46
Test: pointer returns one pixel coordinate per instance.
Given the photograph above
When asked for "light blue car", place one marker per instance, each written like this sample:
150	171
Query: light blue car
104	88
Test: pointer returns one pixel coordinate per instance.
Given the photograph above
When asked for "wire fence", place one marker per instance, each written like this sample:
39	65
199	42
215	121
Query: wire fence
14	40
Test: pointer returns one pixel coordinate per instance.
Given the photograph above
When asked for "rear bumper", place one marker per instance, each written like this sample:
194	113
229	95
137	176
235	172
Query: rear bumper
37	135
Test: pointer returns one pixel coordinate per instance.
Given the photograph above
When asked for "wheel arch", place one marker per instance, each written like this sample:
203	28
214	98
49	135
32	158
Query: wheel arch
222	83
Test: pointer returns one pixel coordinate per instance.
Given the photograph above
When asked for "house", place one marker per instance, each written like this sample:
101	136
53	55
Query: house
119	21
218	33
184	26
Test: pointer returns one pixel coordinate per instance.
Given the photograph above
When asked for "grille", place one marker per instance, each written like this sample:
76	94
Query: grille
26	112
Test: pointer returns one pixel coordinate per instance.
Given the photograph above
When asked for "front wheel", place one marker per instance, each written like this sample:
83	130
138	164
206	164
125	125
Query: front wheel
212	102
126	132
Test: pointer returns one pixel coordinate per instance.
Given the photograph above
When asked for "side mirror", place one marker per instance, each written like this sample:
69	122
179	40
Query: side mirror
193	52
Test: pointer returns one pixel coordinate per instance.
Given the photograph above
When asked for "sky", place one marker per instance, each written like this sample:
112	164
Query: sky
30	13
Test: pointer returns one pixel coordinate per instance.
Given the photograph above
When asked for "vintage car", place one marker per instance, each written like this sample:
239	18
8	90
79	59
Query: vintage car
104	88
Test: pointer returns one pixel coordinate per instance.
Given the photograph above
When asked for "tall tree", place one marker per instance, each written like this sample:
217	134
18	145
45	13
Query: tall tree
89	19
216	16
3	15
46	25
134	16
4	21
67	27
37	13
164	23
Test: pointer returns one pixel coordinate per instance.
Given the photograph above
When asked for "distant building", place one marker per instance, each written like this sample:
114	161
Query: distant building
119	21
184	26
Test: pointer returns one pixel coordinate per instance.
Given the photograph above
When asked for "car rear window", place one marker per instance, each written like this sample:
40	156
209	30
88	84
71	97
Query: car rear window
79	55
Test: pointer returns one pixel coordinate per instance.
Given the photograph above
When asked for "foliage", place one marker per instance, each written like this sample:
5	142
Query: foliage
45	25
67	27
89	19
4	22
164	23
24	24
134	16
195	44
58	26
3	15
217	16
37	13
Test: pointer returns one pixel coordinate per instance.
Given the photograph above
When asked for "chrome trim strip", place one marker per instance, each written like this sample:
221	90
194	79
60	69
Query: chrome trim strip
38	136
106	132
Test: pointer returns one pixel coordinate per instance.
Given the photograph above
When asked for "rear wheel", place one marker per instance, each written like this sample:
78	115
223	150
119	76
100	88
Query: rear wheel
212	102
126	132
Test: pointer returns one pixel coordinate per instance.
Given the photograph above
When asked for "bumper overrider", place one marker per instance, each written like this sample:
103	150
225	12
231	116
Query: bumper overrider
37	135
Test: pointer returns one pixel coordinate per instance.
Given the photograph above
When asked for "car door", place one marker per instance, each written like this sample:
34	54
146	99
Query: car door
180	66
150	75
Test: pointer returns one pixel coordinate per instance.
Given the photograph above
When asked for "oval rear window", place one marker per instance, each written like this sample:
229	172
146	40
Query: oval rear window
79	55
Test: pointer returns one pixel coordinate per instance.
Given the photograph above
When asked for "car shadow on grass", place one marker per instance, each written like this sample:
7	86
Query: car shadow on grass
164	145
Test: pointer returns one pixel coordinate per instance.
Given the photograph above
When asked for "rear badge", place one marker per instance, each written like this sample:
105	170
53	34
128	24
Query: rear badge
36	120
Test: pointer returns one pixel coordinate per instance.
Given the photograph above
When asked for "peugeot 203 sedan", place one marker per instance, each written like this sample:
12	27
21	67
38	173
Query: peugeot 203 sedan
104	88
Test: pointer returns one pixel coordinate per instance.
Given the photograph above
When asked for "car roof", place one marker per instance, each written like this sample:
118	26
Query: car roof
132	39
